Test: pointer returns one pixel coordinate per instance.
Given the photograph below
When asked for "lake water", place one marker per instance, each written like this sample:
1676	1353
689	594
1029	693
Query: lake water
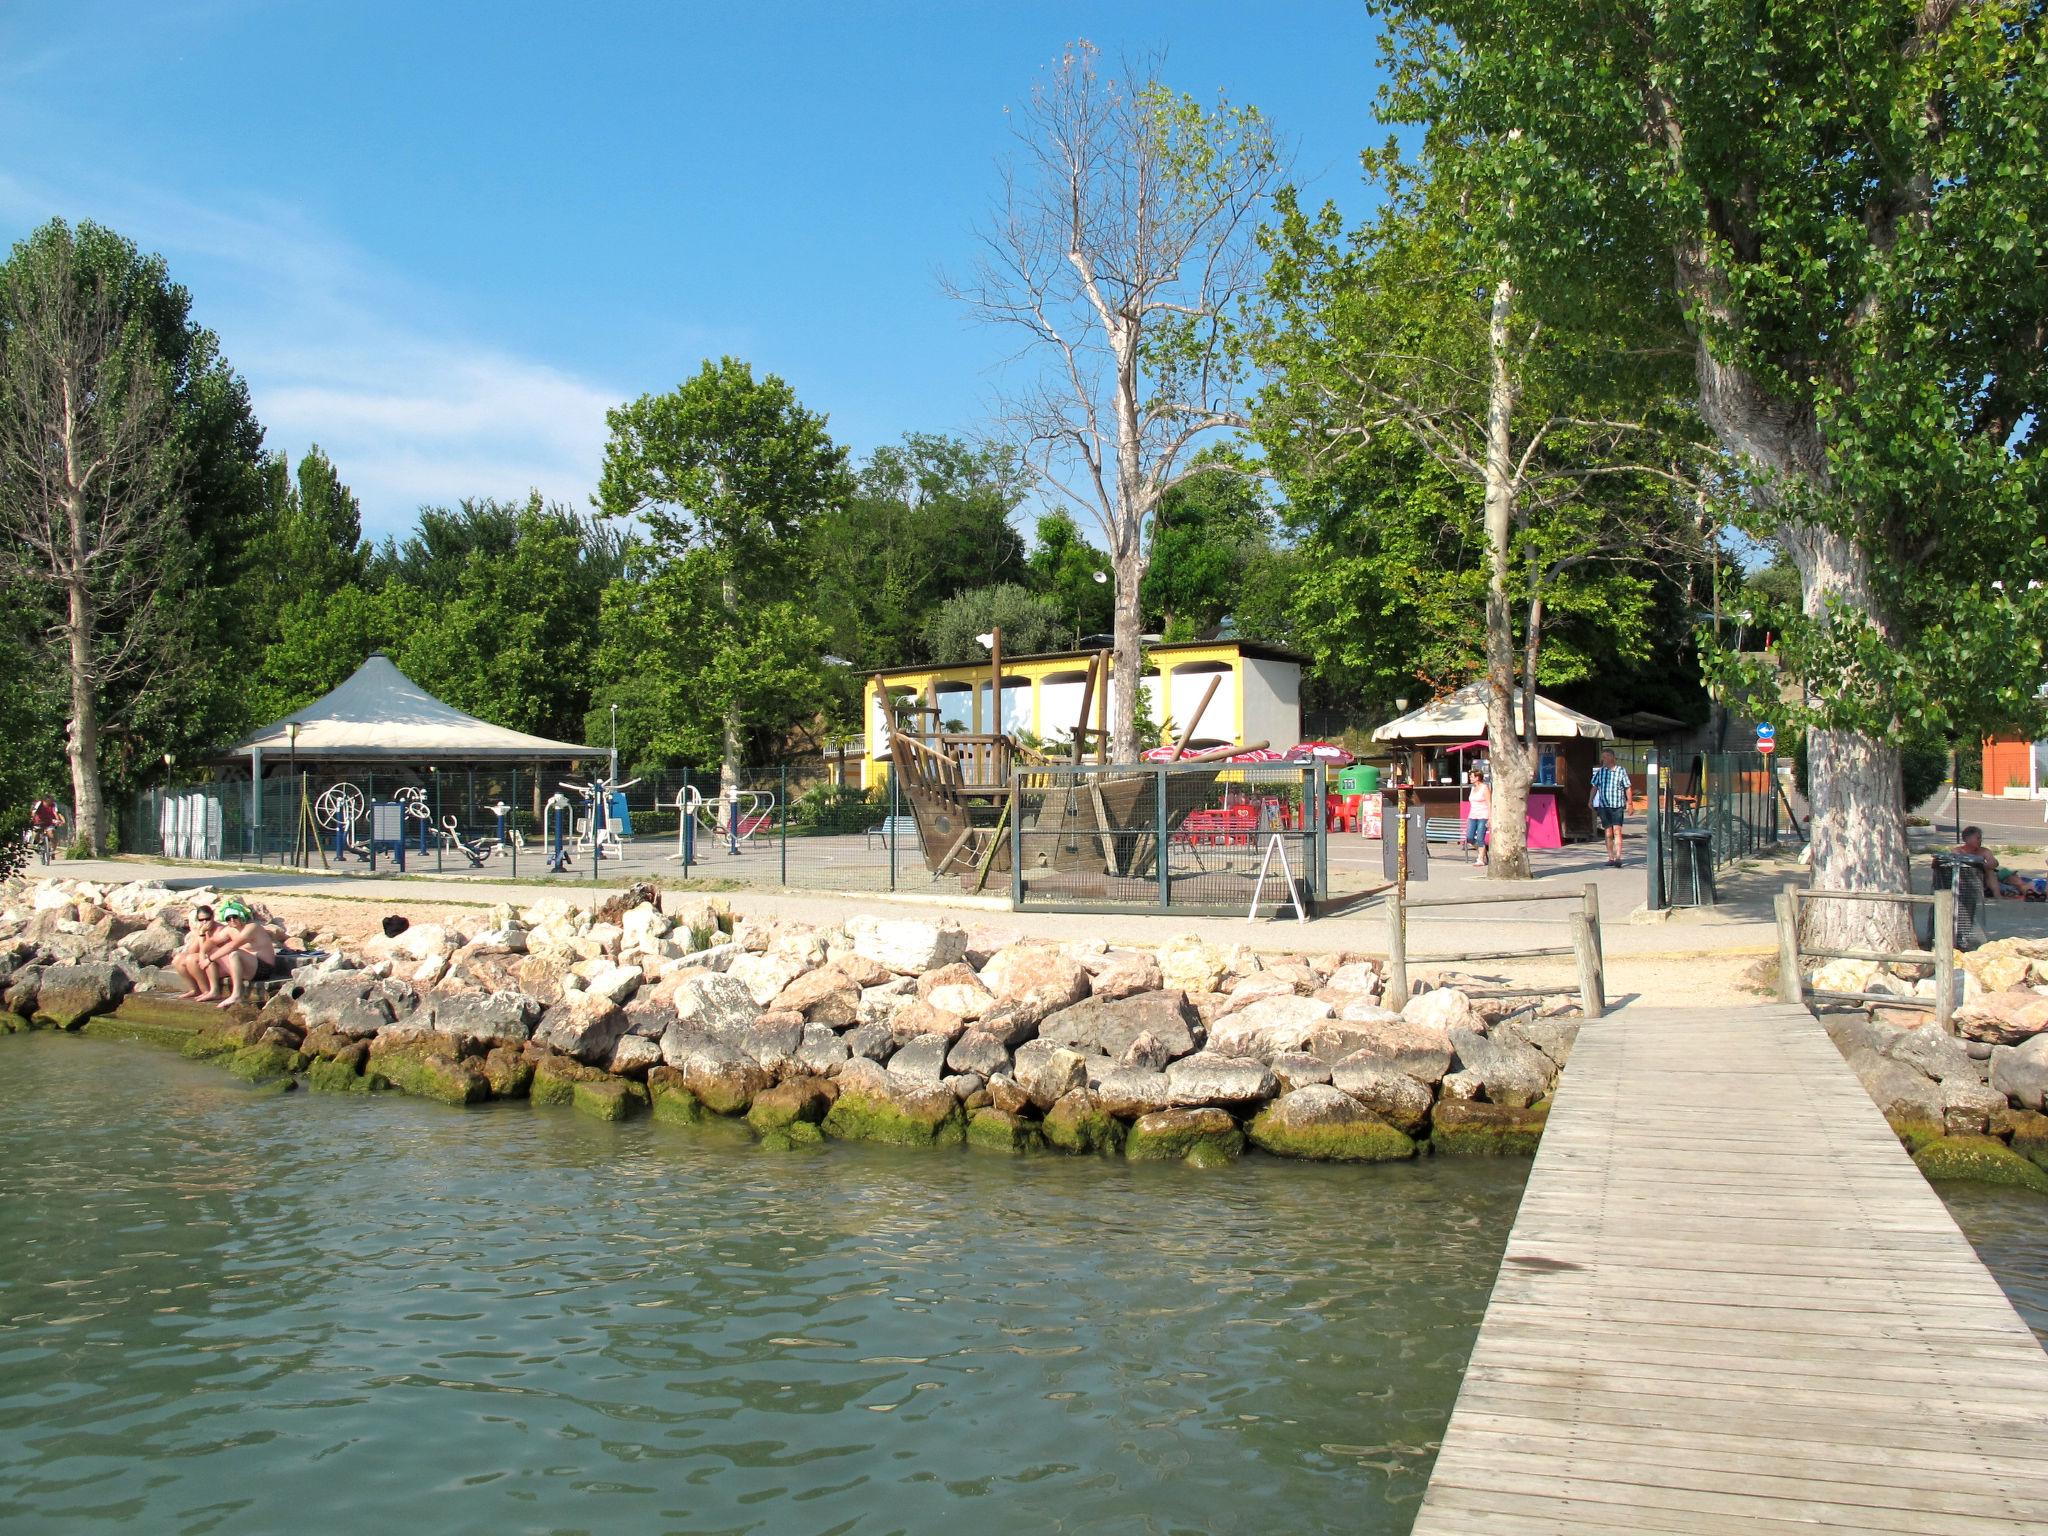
222	1312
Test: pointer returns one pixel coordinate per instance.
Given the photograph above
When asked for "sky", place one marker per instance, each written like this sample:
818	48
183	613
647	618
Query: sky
441	239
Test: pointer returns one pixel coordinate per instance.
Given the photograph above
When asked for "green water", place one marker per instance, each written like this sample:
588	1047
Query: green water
221	1312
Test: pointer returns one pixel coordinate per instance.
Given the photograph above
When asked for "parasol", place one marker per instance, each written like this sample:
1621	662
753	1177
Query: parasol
1323	751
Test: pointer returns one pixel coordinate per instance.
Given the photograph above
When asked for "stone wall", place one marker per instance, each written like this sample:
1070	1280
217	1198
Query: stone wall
880	1029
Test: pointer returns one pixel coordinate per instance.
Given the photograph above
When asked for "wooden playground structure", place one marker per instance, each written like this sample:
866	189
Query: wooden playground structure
962	788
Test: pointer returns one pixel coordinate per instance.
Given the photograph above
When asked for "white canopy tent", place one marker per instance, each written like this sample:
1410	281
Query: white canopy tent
379	715
1461	716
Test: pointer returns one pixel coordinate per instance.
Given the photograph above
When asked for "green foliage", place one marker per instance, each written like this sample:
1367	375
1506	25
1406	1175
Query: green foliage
1071	573
1206	535
1030	624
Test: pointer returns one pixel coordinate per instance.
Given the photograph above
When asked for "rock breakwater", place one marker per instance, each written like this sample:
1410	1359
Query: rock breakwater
881	1029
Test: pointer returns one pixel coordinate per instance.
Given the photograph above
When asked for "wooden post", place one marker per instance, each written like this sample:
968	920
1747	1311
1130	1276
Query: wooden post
1397	951
1586	952
995	683
1589	897
1791	985
1102	712
1944	947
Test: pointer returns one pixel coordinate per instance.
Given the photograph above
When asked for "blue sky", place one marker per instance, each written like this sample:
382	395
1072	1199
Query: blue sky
440	239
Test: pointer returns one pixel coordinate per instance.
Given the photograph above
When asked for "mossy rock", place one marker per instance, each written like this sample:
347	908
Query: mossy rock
1366	1140
997	1130
260	1063
1463	1129
1984	1159
673	1102
429	1073
1916	1134
216	1042
910	1118
612	1099
796	1136
14	1024
555	1078
113	1026
1078	1123
339	1075
798	1101
508	1072
1204	1137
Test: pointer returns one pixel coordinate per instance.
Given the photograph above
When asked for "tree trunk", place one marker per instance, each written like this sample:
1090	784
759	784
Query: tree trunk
1508	855
87	827
1859	821
1125	676
729	755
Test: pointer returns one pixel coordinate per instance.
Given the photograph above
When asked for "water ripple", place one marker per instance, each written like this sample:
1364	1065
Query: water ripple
228	1313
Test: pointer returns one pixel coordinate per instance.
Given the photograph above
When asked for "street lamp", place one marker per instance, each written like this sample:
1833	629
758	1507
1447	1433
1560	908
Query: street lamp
614	777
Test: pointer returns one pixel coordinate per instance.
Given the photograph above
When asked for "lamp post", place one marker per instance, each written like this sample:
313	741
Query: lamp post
613	777
291	733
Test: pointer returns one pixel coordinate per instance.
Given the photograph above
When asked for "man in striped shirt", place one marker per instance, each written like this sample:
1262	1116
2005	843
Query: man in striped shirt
1610	803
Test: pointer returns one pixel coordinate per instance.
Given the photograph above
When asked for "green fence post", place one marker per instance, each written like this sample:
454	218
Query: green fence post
784	804
895	811
1159	837
1653	834
1016	841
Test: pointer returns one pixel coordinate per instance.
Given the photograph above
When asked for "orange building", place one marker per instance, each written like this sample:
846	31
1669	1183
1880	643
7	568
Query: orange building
2011	763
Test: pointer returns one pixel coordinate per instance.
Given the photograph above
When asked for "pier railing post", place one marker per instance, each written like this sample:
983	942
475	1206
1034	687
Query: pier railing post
1791	985
1586	951
1944	947
1397	951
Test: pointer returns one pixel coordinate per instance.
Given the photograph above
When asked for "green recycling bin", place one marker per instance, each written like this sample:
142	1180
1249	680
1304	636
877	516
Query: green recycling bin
1367	778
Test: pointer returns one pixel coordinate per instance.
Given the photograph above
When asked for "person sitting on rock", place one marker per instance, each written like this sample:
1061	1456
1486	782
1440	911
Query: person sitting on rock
191	962
244	951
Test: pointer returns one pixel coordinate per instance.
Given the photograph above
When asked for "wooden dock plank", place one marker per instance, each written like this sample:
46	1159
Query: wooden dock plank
1730	1302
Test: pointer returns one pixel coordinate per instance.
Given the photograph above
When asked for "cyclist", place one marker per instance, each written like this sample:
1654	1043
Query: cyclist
43	822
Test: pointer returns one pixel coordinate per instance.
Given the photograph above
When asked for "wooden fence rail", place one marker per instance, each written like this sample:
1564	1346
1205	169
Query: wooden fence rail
1793	954
1585	946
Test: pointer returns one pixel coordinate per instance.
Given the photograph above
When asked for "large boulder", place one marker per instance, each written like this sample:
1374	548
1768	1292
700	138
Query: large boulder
1296	1069
1968	1106
923	1060
1983	1159
68	995
996	1130
917	1019
587	1027
482	1018
1903	1094
153	945
1933	1052
876	1105
2021	1072
765	975
714	1003
1514	1074
1128	973
1036	977
1389	1093
1328	1126
802	1100
1199	1136
1421	1051
1130	1092
1552	1036
823	996
721	1076
1079	1123
821	1052
1445	1008
1211	1078
1270	1025
1464	1128
2003	1018
906	946
774	1042
1108	1026
429	1067
1047	1072
955	989
978	1052
1187	964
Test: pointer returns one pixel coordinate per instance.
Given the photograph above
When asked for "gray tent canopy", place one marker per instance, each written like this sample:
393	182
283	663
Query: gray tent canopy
382	716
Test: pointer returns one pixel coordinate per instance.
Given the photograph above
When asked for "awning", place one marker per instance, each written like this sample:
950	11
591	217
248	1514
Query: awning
1461	716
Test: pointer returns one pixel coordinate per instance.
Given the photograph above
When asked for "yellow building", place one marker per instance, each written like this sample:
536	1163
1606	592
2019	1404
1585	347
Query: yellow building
1259	698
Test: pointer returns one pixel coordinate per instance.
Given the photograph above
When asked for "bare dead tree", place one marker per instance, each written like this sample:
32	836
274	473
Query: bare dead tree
85	480
1123	242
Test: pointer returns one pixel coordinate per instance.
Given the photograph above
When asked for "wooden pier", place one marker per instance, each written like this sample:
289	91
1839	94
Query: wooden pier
1731	1303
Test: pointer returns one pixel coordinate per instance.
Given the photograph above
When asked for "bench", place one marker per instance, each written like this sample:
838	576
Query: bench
897	829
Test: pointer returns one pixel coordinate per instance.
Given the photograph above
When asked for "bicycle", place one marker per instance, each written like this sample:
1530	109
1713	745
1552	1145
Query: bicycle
44	841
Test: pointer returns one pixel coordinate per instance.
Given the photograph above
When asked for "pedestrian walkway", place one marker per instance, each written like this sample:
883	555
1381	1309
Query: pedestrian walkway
1730	1302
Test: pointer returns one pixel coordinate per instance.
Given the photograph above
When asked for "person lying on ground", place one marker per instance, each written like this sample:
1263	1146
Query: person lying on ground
191	962
245	951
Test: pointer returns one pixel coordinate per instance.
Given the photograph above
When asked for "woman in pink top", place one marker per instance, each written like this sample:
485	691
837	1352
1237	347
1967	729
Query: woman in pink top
1479	811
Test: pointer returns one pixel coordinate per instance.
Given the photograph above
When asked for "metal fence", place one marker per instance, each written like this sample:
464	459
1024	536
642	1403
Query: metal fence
785	826
1706	810
1089	838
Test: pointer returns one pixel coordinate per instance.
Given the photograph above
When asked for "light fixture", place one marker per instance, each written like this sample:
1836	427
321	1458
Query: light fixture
987	642
1101	578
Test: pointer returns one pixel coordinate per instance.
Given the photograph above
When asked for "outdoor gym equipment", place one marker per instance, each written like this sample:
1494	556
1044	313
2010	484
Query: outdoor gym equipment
557	847
339	810
688	805
598	829
752	808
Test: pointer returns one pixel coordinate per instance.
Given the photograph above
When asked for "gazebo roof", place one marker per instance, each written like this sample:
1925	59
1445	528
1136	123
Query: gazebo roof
1461	716
381	715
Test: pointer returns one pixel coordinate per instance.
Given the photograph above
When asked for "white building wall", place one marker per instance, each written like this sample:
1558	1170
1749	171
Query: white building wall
1219	720
1059	710
1272	703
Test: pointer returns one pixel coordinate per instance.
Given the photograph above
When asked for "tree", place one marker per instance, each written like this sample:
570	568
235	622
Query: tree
729	474
1206	535
114	410
1121	248
1072	574
1030	624
1418	324
929	518
1844	195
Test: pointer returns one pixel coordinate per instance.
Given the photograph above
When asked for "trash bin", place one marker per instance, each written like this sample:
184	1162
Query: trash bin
1365	779
1692	880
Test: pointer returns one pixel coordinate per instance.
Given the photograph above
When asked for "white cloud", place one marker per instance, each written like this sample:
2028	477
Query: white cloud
340	351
